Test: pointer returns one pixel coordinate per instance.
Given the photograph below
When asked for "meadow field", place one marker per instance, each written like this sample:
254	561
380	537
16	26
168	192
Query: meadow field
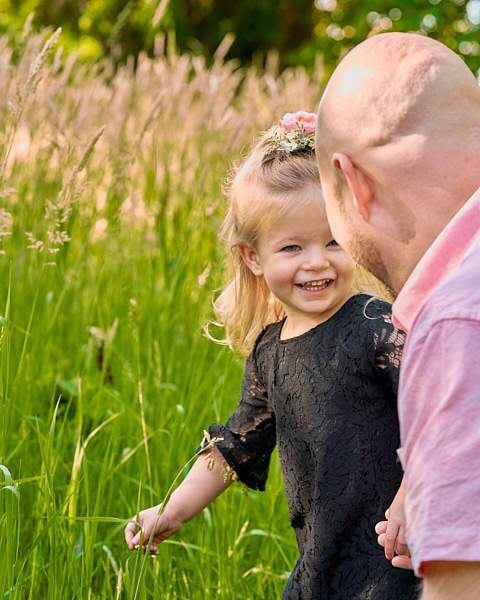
110	203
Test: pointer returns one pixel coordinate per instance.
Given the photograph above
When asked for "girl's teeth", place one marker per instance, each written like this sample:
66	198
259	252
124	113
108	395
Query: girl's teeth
315	285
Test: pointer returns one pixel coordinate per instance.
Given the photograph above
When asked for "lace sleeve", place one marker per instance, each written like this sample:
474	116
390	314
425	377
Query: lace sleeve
389	342
247	439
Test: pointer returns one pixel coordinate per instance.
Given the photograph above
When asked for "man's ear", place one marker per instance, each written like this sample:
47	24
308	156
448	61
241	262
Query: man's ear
357	181
250	258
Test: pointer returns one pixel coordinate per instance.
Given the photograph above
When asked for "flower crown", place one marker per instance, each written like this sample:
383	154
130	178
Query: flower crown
298	132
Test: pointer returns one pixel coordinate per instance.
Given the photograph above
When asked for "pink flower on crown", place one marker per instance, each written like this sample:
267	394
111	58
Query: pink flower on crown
294	120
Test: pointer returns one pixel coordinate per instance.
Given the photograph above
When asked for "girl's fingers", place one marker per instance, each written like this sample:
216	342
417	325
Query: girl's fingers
402	562
130	534
391	540
401	548
380	528
381	540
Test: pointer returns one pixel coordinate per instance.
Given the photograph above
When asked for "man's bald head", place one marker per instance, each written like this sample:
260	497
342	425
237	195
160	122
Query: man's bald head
400	118
389	86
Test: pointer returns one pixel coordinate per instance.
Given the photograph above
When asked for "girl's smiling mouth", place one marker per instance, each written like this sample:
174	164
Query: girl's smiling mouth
313	286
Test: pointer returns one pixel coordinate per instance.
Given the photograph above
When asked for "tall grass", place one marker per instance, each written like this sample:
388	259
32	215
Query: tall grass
110	202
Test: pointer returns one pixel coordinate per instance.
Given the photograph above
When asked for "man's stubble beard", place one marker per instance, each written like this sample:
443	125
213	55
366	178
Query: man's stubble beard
362	249
365	253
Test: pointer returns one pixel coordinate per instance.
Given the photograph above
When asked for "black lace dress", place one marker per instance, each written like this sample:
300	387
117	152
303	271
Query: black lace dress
327	399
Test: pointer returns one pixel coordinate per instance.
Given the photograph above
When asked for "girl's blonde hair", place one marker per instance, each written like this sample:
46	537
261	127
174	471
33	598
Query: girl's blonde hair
267	177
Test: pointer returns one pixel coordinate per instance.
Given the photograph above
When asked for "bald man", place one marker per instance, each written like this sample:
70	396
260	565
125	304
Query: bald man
398	147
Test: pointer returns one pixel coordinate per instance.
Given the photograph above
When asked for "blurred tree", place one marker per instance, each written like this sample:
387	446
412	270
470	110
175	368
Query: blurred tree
298	30
93	28
258	25
341	24
301	29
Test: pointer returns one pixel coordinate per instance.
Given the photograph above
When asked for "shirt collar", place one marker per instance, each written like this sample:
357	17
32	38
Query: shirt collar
443	256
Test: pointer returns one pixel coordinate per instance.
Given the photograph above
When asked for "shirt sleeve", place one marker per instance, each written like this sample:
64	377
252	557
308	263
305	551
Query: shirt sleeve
247	439
439	411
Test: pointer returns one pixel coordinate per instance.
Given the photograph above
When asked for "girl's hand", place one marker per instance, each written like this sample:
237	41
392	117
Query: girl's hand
197	491
391	533
395	542
163	526
402	561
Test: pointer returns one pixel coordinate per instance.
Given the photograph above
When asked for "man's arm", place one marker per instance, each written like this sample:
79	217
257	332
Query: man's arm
449	580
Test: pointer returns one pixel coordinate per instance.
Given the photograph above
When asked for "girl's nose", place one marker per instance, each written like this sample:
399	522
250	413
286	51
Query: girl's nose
316	259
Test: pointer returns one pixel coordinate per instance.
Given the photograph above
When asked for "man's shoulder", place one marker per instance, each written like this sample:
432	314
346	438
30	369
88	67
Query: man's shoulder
458	297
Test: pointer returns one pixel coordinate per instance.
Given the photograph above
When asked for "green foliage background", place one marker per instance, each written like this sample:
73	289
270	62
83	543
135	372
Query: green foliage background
115	136
110	206
299	31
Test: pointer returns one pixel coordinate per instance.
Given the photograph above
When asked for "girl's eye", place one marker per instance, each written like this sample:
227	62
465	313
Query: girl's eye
292	248
332	243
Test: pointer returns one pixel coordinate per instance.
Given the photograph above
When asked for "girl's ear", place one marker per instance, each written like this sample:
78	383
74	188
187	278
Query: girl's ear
358	182
250	258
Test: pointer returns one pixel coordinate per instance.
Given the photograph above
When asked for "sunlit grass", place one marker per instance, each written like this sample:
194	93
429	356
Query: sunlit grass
107	381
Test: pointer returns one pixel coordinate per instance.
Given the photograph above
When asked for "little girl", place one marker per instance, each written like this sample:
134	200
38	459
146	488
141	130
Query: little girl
320	381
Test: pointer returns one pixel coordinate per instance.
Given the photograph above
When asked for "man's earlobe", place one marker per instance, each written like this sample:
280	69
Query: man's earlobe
357	181
250	258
